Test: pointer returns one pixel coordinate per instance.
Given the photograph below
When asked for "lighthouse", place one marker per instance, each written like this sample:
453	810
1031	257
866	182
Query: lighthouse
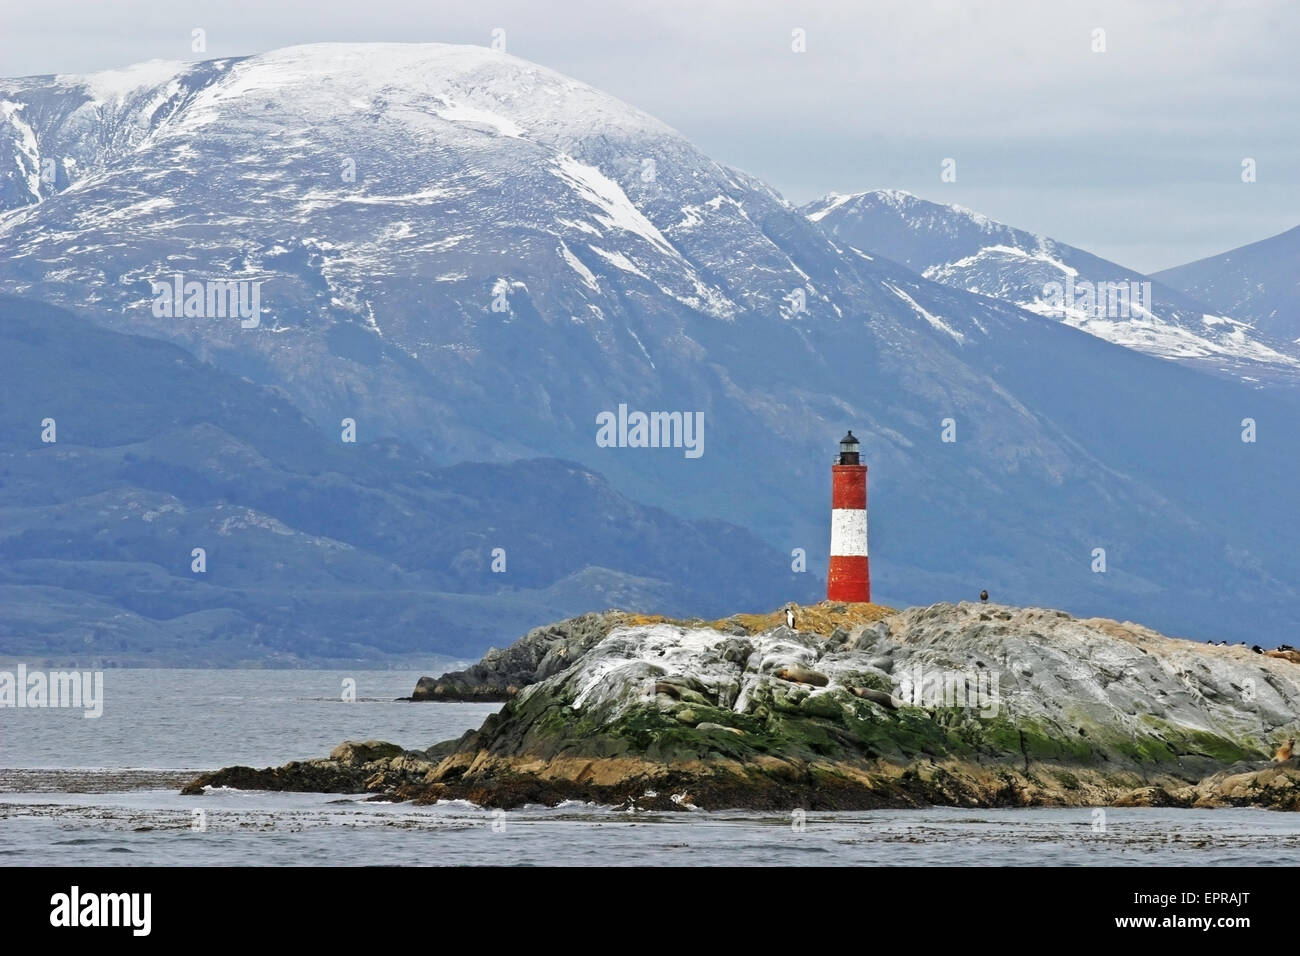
849	578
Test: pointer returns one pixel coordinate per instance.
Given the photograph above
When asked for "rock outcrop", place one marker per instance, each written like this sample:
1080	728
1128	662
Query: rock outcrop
965	705
1277	787
352	767
547	650
537	655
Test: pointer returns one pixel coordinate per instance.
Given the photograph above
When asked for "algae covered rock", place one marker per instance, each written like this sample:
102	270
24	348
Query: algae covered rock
352	752
352	767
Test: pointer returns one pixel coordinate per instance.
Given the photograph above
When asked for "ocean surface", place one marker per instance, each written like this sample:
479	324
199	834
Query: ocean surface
104	792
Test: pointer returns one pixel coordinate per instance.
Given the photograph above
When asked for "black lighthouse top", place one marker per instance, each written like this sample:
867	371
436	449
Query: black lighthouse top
849	450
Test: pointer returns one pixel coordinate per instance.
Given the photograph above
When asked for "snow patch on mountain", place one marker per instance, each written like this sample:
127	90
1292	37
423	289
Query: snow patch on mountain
580	225
587	276
934	320
480	117
833	202
618	261
617	210
27	154
115	86
1146	333
1038	256
639	344
690	219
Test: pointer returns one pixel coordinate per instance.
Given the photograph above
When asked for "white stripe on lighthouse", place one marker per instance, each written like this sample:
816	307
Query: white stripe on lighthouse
848	532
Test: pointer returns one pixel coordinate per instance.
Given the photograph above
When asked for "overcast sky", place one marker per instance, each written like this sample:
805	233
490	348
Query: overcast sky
1134	153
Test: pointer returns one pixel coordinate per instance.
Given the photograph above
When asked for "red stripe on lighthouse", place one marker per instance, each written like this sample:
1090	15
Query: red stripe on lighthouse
849	487
849	577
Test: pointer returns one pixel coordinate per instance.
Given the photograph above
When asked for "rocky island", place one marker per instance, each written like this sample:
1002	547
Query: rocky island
855	707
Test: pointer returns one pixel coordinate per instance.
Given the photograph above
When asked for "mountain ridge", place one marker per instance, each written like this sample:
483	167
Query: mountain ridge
1257	280
314	551
963	248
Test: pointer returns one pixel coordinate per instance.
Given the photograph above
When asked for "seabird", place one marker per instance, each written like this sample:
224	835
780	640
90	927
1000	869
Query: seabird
1257	649
789	616
984	596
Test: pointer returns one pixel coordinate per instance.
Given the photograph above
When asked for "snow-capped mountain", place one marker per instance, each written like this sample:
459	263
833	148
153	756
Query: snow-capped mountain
459	248
1259	282
481	257
963	249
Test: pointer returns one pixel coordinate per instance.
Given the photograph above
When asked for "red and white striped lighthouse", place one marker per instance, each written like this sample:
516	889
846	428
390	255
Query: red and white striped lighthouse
849	578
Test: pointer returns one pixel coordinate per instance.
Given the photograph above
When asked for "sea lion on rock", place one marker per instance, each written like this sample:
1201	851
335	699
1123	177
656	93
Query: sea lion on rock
1292	656
801	675
710	725
875	696
1284	752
